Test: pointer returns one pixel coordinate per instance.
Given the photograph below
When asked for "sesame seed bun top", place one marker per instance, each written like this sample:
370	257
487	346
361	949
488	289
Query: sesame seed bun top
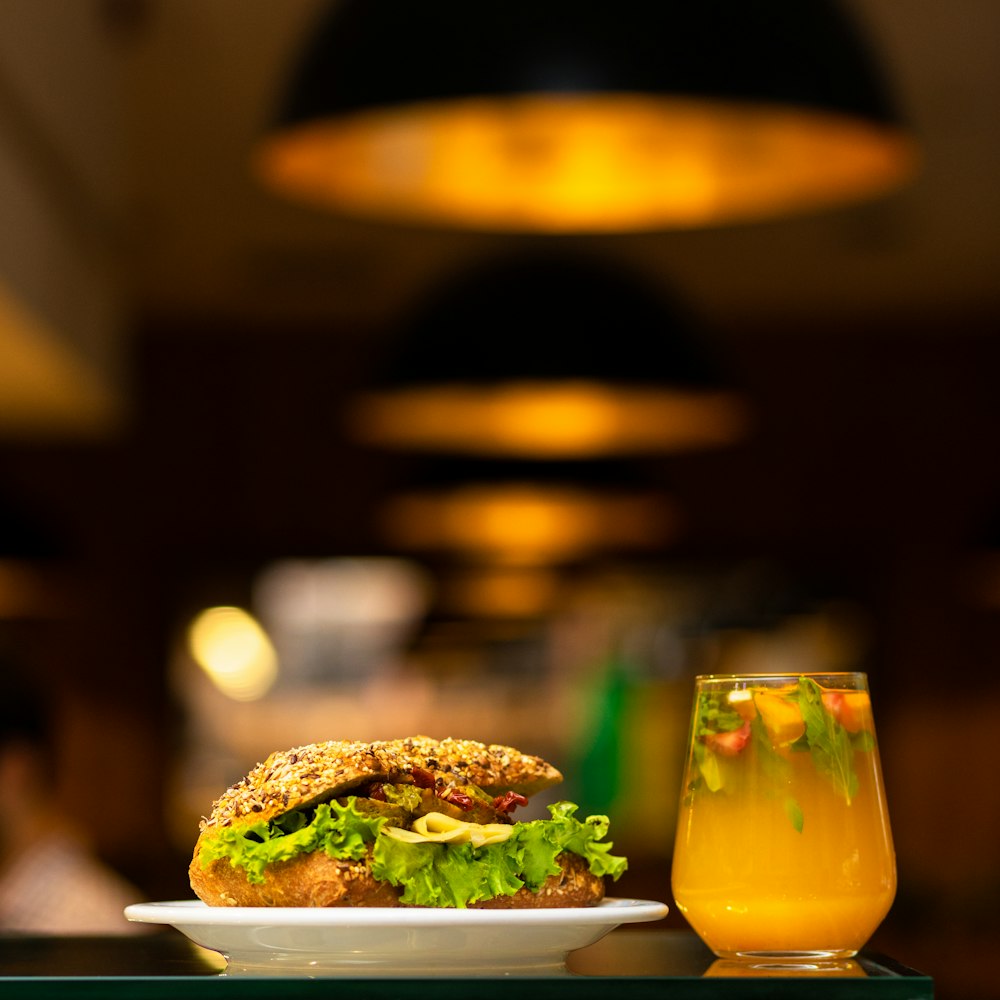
302	776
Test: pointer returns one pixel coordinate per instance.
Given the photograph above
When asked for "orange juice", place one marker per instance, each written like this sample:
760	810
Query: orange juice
783	843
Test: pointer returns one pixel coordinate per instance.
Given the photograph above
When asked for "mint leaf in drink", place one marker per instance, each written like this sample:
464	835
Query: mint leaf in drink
863	741
829	743
794	813
716	716
772	763
718	730
708	766
776	768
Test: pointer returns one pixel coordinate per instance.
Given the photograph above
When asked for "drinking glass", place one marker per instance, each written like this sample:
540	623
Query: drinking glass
783	847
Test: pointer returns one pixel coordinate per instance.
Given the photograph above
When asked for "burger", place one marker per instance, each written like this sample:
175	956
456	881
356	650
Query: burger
408	822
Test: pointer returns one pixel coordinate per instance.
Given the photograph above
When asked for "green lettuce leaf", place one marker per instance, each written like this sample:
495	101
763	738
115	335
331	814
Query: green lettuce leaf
585	838
454	875
446	874
339	830
460	874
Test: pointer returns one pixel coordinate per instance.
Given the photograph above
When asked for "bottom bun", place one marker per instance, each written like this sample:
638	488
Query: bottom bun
319	880
575	885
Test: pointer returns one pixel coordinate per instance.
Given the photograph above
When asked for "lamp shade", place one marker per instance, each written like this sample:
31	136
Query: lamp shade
549	356
578	115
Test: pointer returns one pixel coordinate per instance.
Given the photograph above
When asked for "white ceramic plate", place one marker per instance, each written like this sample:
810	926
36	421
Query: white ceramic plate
394	942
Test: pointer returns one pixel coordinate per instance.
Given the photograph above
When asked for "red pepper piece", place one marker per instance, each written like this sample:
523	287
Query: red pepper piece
422	778
509	801
460	799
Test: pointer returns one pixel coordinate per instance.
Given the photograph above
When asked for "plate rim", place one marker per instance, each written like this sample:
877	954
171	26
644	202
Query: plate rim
187	912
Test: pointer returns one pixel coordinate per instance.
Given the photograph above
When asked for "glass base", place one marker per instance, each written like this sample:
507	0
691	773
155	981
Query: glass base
777	961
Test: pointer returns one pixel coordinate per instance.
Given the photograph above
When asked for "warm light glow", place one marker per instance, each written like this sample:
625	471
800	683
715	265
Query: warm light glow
46	385
549	419
501	592
310	595
565	163
26	590
526	524
234	651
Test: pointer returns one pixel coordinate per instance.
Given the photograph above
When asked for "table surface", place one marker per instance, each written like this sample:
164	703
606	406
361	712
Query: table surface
633	963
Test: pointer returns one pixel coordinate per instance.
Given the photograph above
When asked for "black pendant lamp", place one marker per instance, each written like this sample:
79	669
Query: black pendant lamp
549	355
579	116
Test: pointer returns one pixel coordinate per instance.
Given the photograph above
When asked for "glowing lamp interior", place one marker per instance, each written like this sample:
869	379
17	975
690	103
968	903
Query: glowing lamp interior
590	162
550	419
525	524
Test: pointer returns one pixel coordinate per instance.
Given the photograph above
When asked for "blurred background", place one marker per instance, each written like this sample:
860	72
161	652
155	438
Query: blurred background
202	406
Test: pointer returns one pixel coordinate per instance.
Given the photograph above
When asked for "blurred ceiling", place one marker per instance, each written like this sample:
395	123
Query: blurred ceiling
125	127
202	79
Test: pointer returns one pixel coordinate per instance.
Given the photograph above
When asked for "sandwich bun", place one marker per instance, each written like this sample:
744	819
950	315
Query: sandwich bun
341	772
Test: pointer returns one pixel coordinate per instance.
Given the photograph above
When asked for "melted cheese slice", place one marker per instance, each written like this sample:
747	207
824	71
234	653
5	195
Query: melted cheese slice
436	828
